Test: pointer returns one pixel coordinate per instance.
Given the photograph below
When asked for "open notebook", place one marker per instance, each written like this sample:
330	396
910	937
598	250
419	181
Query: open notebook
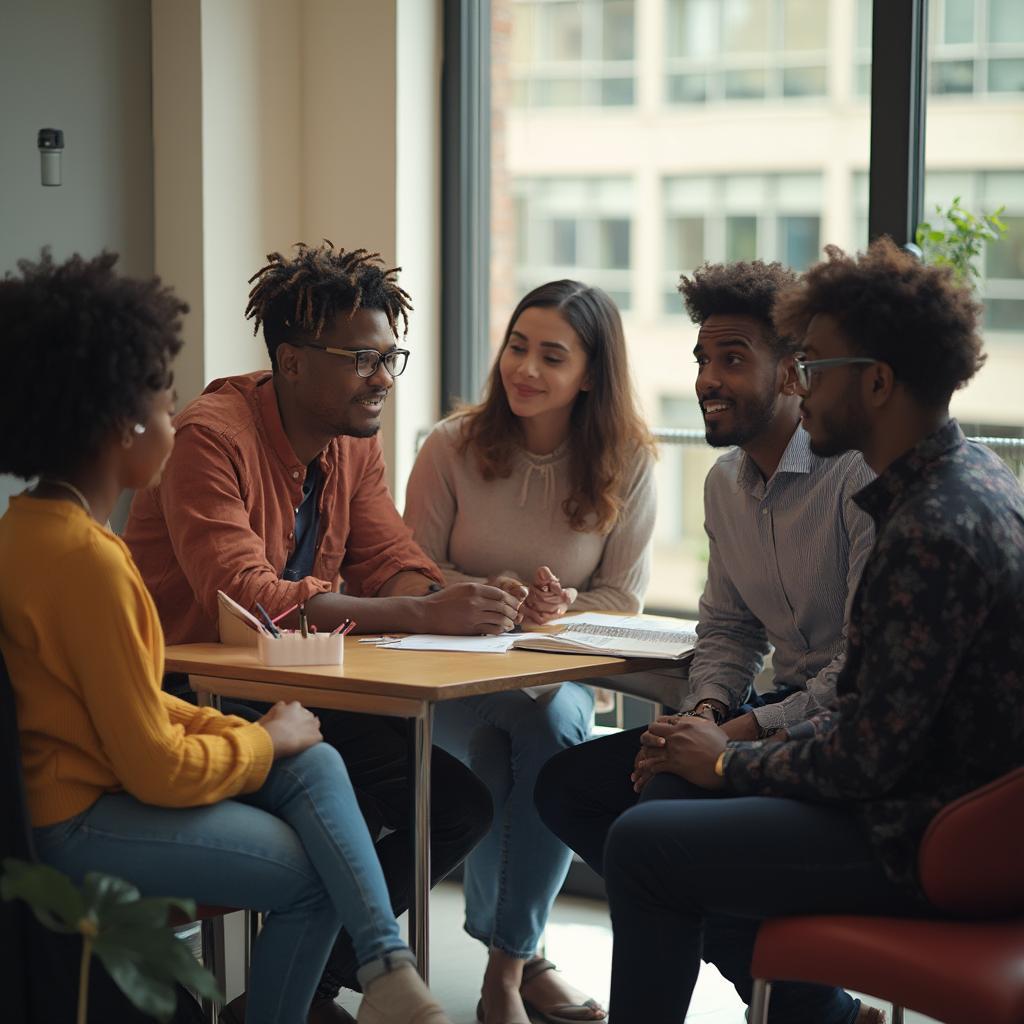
633	636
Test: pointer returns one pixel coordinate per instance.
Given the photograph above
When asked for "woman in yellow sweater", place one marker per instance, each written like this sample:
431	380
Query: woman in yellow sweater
121	777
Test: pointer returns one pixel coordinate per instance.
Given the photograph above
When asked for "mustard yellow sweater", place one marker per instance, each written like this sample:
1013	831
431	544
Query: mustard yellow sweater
85	652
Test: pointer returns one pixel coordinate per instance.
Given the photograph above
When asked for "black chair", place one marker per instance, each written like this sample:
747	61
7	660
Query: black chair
38	968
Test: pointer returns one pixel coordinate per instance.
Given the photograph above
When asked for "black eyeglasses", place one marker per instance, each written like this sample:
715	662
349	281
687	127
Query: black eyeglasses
807	370
368	359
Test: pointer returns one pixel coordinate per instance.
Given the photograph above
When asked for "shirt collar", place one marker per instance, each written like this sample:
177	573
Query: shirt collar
273	428
880	498
797	458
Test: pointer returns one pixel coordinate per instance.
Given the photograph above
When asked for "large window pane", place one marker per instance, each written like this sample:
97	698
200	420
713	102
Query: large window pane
745	26
1006	21
722	145
692	28
570	53
958	23
805	25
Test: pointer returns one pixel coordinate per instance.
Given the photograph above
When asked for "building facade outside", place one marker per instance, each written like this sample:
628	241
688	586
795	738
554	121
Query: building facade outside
635	139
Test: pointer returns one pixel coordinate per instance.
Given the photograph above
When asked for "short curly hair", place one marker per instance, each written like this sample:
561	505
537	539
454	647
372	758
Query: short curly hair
83	350
302	295
893	308
739	289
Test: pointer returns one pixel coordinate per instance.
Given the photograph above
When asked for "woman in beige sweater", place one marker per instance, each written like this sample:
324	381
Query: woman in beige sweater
545	488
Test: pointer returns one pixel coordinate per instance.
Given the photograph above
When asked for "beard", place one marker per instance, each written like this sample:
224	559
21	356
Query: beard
749	418
839	429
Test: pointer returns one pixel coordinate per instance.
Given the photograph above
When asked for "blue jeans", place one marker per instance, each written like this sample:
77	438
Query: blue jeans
297	849
693	878
583	792
513	876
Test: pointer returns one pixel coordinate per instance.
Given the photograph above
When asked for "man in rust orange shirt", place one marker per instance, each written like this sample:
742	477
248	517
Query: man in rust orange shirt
276	493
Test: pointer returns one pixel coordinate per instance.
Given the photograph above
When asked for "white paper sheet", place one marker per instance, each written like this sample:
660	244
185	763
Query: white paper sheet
473	644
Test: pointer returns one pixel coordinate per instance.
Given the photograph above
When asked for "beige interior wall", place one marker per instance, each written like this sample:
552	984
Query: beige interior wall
316	119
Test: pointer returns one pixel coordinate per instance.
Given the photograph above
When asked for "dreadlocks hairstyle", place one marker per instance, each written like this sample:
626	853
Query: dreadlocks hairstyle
893	308
295	299
84	350
733	289
606	429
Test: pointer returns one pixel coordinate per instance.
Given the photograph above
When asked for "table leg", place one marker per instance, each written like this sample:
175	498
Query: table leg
205	699
419	912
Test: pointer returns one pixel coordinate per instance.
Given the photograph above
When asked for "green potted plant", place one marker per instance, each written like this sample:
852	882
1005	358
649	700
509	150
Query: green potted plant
957	237
129	934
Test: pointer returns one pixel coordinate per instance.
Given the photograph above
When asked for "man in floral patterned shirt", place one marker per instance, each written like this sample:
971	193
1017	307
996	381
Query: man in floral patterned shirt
931	699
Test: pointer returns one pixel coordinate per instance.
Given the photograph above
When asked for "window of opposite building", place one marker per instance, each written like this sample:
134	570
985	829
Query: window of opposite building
975	47
572	53
575	227
1000	285
731	217
745	49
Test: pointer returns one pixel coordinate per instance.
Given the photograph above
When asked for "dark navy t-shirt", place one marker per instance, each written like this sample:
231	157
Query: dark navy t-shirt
307	523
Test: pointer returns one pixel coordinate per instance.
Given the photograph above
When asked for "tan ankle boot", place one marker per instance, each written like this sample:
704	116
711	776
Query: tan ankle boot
400	997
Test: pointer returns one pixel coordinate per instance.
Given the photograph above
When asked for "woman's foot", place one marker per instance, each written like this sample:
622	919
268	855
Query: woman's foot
500	1002
548	996
400	997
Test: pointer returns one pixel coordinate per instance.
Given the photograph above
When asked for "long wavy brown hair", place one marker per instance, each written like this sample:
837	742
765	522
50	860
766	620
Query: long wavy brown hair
606	433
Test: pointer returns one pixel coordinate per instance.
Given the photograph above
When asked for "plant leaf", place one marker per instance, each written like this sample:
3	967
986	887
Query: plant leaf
162	955
53	898
151	995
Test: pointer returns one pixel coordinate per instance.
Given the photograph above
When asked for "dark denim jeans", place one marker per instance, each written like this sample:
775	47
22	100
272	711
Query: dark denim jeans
582	792
692	879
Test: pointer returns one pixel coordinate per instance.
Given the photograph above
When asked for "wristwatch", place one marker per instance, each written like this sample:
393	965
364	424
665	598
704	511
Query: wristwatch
698	708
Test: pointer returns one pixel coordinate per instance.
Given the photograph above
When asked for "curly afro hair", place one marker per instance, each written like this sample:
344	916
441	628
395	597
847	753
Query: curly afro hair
893	308
739	289
83	351
299	297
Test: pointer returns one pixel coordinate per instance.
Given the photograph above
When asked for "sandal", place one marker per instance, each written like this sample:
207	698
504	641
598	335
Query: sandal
562	1013
482	1017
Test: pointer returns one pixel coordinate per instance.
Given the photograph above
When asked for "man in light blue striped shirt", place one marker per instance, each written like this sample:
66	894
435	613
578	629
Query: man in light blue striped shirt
787	546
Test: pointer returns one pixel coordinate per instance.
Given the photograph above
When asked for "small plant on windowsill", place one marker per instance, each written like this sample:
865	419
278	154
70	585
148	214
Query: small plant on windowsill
129	934
957	237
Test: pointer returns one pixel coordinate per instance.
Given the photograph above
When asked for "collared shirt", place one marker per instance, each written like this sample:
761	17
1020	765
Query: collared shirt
785	557
223	515
931	699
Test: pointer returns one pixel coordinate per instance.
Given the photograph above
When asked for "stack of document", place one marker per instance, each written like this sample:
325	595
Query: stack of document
623	636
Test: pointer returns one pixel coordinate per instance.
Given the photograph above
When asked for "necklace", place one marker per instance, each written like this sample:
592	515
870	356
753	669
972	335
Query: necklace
54	482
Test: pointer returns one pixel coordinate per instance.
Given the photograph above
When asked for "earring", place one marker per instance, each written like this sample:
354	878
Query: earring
139	428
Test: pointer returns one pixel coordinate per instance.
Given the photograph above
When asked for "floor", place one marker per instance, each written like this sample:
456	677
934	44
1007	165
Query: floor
578	939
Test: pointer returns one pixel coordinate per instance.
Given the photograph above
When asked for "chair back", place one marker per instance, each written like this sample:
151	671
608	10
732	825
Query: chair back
971	860
16	829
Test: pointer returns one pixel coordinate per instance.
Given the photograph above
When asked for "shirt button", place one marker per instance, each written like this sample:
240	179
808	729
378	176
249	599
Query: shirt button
764	511
295	474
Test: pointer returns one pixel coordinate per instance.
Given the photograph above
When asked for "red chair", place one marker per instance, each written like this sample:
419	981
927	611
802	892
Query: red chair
971	864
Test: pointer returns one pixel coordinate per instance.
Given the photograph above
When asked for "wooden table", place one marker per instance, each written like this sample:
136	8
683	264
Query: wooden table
405	684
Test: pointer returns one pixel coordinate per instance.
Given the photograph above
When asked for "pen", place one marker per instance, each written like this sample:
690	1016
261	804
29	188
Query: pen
277	618
302	621
348	629
274	631
341	625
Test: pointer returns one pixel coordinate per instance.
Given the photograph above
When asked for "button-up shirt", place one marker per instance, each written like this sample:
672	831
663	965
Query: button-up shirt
223	515
785	557
931	699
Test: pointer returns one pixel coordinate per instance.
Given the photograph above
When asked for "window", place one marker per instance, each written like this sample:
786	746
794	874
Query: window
976	47
739	217
745	50
575	227
572	53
